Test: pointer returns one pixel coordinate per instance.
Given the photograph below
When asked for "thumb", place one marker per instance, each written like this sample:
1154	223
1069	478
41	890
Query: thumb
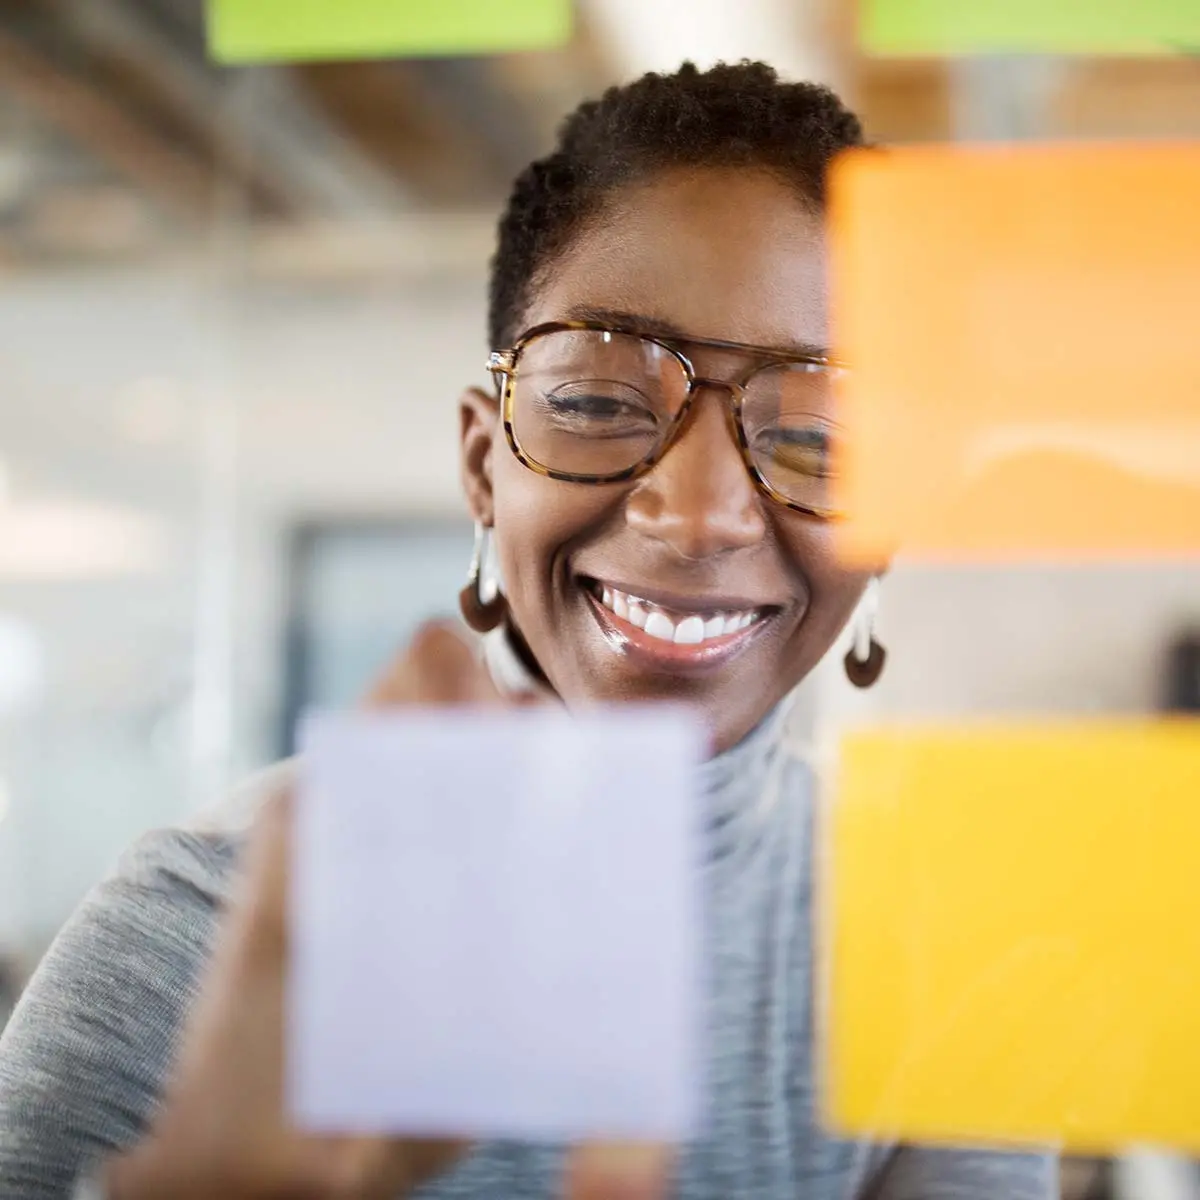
619	1171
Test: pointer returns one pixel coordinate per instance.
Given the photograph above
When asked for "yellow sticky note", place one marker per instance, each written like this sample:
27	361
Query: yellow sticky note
1011	934
1021	326
245	31
925	27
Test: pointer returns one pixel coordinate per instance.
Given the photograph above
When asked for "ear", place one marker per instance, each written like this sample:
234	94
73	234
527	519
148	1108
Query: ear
479	418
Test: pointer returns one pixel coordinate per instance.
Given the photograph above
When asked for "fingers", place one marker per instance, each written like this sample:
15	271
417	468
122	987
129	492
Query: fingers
625	1171
439	667
422	1161
373	1168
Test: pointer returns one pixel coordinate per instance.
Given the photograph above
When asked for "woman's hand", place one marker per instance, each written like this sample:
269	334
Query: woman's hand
222	1130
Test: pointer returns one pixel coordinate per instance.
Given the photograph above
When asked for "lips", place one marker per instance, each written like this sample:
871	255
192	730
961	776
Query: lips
679	634
680	626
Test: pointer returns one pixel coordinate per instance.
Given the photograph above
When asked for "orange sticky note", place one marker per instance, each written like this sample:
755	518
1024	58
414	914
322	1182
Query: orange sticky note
1011	936
1023	330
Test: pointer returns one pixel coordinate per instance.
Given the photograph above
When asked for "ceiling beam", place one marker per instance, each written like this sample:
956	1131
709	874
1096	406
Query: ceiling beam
389	113
145	65
260	127
497	128
341	181
103	128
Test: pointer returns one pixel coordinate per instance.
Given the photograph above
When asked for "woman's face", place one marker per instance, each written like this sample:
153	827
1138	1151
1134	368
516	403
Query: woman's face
719	254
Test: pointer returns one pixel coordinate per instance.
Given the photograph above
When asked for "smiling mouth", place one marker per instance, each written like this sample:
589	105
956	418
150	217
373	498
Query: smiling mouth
675	635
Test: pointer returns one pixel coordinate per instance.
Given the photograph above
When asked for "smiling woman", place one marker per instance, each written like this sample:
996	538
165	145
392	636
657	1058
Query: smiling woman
652	464
713	273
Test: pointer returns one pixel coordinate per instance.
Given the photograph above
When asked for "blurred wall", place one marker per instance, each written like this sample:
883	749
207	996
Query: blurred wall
1024	640
160	433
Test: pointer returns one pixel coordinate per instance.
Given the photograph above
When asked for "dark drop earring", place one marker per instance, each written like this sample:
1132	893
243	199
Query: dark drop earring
865	661
481	615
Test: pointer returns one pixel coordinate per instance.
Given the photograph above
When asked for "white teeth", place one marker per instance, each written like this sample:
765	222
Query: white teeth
660	626
683	630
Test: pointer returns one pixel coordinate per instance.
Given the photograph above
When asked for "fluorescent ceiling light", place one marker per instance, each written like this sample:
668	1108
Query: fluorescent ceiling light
657	35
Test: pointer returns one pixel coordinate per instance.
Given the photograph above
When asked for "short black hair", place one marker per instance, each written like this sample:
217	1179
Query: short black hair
732	114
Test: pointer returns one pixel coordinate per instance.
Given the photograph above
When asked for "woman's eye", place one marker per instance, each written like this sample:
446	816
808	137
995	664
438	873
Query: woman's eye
588	409
583	405
805	450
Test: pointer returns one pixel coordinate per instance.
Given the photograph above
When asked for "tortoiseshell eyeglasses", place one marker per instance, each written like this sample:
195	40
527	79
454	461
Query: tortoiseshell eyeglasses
588	403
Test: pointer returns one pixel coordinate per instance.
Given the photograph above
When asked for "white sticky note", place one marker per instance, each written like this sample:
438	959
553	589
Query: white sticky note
495	925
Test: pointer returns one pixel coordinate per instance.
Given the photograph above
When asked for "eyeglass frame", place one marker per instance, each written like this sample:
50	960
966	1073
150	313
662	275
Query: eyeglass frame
502	364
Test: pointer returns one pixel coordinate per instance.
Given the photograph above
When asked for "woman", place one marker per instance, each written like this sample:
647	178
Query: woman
653	467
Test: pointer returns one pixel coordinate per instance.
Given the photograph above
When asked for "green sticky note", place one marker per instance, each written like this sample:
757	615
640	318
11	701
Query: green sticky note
921	28
247	31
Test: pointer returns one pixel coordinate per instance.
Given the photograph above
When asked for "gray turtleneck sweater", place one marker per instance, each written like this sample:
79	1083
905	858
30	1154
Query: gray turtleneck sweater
84	1057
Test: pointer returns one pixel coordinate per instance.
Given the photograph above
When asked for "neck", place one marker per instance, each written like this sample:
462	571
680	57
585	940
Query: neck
737	785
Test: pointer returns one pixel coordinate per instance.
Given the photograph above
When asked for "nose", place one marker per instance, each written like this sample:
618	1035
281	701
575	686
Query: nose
699	499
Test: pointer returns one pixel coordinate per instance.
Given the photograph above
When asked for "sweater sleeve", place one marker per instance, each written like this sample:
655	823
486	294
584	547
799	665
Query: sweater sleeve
918	1173
84	1056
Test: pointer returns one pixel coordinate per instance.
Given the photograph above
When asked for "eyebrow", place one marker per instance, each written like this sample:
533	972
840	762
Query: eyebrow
668	331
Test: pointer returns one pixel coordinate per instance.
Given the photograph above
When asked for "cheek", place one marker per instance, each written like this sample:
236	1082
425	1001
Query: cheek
834	589
537	520
522	531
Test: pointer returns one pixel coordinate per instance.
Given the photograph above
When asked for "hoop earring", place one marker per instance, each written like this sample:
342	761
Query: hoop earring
865	661
481	615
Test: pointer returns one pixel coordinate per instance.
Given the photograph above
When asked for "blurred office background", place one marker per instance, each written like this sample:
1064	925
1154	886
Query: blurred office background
238	308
